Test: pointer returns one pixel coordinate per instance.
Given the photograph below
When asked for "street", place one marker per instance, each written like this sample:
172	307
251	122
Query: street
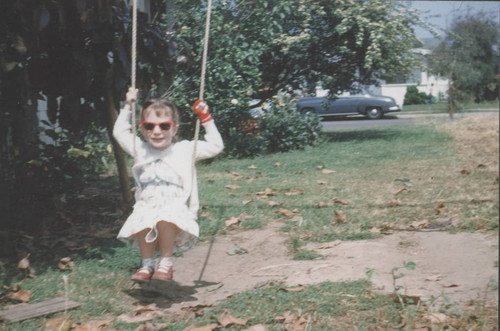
360	122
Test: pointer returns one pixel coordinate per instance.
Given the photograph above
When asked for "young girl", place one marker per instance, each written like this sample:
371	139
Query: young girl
167	203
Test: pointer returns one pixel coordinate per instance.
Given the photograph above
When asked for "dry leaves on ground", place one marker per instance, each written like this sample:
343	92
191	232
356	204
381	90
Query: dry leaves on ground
340	217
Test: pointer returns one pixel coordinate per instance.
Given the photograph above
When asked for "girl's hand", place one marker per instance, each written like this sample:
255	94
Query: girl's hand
131	95
200	108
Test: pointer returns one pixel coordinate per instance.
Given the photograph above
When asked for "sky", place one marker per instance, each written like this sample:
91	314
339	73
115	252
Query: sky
442	13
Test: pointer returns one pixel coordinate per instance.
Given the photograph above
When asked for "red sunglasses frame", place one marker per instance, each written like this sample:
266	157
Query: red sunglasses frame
157	124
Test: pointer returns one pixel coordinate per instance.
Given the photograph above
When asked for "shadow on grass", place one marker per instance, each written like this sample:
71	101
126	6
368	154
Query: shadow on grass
165	294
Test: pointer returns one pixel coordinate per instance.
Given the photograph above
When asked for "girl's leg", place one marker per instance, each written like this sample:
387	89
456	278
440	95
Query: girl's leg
147	249
166	239
144	273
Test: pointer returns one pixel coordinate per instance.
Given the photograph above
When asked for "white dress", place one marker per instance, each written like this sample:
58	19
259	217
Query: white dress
160	199
167	188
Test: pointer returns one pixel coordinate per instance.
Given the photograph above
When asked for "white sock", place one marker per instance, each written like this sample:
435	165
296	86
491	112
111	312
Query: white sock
166	261
148	262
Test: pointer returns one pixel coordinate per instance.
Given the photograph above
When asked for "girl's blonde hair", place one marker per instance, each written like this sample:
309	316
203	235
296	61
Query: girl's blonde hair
161	107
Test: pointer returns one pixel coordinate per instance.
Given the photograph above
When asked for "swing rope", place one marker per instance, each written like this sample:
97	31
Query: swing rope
202	82
133	72
202	78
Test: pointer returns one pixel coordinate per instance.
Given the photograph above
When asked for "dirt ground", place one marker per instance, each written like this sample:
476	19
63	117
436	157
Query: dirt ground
454	267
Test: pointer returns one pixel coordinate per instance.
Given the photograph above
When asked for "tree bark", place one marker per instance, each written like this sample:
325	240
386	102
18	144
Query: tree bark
121	161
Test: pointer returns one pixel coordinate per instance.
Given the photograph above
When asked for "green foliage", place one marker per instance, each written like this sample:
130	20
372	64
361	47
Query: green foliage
283	129
468	55
414	97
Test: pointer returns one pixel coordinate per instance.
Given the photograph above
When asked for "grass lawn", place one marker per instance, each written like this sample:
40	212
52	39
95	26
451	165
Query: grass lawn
442	107
353	186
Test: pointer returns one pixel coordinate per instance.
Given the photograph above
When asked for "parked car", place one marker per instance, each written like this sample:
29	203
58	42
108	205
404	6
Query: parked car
372	106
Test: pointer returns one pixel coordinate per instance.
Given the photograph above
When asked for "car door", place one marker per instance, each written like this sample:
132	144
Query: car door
343	105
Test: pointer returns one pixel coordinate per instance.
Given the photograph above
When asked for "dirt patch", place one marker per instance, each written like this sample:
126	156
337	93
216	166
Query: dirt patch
454	267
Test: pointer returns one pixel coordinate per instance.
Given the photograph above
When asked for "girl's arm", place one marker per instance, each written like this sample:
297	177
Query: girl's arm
122	129
213	144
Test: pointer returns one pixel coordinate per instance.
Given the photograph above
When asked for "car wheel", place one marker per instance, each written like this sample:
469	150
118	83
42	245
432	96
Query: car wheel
374	113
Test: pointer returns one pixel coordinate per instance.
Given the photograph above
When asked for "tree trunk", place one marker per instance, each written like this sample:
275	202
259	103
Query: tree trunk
118	151
451	99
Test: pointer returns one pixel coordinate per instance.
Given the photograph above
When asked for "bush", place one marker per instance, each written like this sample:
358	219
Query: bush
414	97
283	129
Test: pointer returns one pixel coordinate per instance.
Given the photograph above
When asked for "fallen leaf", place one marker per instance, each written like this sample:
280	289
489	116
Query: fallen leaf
21	295
194	311
434	278
232	221
296	211
480	165
58	324
327	171
208	327
235	178
251	179
277	164
232	187
92	326
439	208
321	204
294	289
340	202
266	192
330	244
285	212
148	316
319	167
451	285
144	308
301	323
257	327
340	217
148	326
436	318
246	202
394	203
465	172
300	172
253	167
24	263
322	182
419	224
375	230
65	260
294	192
234	173
214	287
274	203
400	190
228	319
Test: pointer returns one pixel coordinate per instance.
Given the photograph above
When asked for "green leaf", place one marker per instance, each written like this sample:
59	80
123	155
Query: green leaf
410	265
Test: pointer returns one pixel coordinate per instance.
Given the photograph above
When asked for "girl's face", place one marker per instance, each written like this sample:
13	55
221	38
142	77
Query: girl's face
159	130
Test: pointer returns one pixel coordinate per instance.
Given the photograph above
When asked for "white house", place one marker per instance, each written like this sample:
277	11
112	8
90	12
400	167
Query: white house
425	82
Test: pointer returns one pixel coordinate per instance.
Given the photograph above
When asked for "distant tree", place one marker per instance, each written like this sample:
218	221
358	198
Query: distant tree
414	97
469	57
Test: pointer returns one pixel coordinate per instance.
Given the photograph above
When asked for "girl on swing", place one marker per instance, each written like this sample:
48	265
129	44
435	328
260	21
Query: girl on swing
166	206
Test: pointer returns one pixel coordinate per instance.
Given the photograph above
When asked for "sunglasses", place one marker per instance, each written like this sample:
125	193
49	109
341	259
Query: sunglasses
150	126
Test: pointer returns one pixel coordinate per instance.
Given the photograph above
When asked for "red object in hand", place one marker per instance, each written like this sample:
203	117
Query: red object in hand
200	108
